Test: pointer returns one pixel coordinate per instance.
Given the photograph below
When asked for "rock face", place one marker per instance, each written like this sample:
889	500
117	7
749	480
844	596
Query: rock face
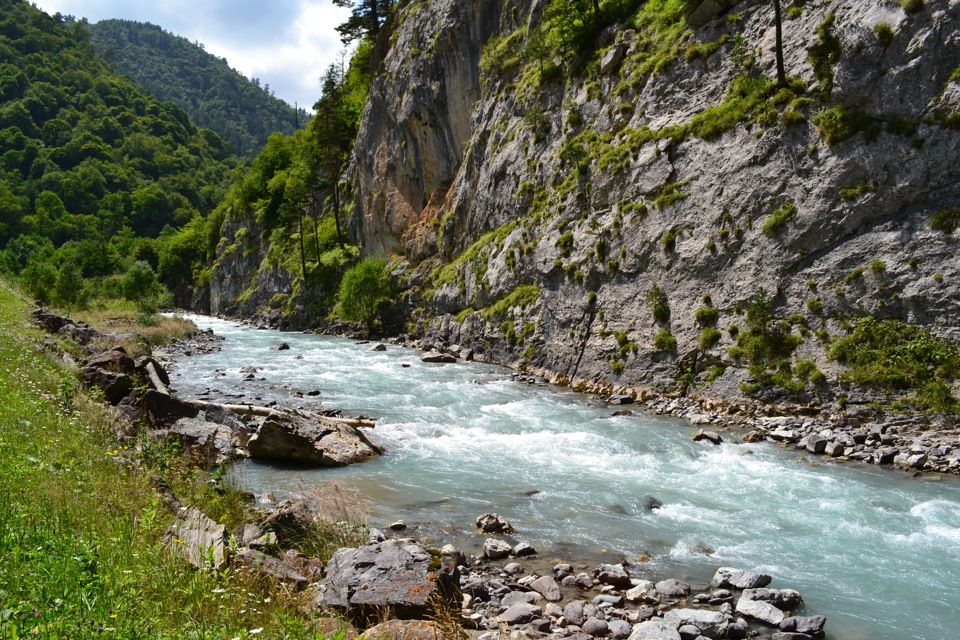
395	576
442	162
198	538
304	437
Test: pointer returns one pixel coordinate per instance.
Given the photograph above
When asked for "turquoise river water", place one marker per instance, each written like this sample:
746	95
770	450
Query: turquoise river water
876	551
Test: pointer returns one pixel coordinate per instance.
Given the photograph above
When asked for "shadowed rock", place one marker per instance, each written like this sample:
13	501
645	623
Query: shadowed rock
308	438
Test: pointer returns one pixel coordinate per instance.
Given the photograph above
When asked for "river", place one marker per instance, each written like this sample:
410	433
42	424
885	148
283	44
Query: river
876	551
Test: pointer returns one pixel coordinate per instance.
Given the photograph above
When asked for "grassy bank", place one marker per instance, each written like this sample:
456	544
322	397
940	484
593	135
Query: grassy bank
81	525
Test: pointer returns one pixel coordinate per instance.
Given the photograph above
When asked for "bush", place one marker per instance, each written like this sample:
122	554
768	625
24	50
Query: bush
707	316
657	302
911	6
364	291
664	341
946	220
39	280
139	282
884	34
779	218
709	337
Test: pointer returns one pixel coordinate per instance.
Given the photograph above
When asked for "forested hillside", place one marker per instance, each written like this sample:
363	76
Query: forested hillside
95	173
212	93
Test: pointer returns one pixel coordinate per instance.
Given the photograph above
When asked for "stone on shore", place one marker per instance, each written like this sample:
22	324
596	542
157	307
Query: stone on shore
437	357
214	442
711	624
760	610
547	587
782	598
520	613
710	436
739	579
308	438
199	539
655	630
402	630
673	588
494	549
644	592
272	567
810	625
111	372
396	578
614	575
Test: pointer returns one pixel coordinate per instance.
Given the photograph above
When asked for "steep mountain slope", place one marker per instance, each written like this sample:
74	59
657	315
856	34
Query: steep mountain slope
213	94
638	203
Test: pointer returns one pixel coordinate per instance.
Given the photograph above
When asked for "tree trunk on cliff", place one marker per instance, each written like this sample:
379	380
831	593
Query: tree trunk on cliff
303	257
781	71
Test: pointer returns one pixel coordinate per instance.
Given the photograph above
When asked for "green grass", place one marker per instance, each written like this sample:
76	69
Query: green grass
664	341
81	526
779	218
523	296
884	33
946	220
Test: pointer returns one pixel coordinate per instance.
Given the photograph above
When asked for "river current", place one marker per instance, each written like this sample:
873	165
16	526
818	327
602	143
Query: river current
876	551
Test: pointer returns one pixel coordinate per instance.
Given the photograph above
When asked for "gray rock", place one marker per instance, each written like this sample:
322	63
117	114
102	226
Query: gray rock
513	568
399	525
614	575
199	539
655	630
816	444
596	628
272	567
583	581
547	587
787	635
688	632
494	549
673	588
213	442
397	577
760	610
710	436
782	598
437	357
520	613
308	438
379	347
619	629
514	597
810	625
573	612
739	579
523	549
711	624
493	523
645	592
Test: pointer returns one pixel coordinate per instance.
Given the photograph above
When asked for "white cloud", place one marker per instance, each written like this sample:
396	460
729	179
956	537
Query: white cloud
287	43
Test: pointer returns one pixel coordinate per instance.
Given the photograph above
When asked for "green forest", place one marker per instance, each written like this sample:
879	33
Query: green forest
213	94
108	192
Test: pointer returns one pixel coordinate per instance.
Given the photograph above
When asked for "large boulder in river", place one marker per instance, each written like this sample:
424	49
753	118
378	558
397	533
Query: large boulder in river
308	438
214	442
493	523
739	579
399	578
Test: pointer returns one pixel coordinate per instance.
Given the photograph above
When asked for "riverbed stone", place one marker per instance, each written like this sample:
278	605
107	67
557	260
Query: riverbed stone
523	549
760	610
493	523
711	624
547	587
781	598
520	613
494	549
810	625
437	357
644	591
215	443
614	575
596	628
619	629
655	630
739	579
573	612
710	436
514	597
301	436
512	568
815	444
673	588
397	577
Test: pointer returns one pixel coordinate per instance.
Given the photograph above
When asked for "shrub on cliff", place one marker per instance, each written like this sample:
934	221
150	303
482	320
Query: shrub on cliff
364	291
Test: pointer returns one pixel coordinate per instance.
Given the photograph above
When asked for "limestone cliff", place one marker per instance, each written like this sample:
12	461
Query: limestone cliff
577	214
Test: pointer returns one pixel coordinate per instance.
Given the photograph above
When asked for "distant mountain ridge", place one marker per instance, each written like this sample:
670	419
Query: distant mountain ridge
213	94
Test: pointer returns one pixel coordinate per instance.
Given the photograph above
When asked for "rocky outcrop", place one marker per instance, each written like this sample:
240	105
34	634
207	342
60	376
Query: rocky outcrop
199	539
396	576
831	224
307	438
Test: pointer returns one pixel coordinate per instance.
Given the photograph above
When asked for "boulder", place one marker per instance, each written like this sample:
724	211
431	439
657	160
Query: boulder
619	629
520	613
612	58
614	575
782	598
272	567
437	357
760	610
515	597
304	437
290	522
710	436
494	549
111	372
573	613
397	578
673	588
739	579
402	630
645	592
547	587
655	630
711	624
310	568
810	625
379	347
595	627
523	549
199	539
492	523
163	409
512	568
214	442
815	444
283	346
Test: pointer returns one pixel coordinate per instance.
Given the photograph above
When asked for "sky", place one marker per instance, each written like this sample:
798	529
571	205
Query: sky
287	44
